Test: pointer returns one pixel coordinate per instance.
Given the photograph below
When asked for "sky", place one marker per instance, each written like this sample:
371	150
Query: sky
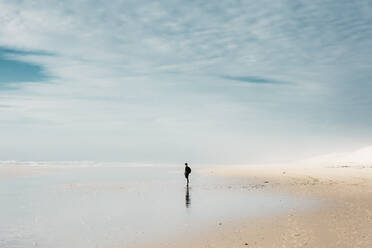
208	82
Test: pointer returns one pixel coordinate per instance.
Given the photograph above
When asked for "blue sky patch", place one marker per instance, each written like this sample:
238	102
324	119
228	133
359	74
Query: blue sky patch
16	71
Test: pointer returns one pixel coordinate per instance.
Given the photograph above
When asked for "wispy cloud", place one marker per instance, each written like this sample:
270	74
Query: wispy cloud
142	75
252	79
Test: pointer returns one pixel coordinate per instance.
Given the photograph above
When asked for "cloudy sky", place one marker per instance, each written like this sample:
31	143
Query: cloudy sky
167	81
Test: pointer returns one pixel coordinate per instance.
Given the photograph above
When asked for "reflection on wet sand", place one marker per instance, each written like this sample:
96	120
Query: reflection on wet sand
106	202
187	198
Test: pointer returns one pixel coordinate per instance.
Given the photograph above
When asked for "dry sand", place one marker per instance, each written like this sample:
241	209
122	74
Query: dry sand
343	219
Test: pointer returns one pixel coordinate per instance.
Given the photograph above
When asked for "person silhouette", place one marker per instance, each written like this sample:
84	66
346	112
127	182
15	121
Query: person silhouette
187	173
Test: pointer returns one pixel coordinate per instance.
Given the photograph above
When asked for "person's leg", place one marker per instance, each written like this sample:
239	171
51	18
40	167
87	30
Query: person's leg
187	178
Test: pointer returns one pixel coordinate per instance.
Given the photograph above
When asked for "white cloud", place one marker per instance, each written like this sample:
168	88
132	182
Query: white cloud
139	81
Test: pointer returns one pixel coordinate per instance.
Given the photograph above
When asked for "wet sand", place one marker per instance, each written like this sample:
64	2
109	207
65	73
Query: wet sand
57	206
19	171
344	218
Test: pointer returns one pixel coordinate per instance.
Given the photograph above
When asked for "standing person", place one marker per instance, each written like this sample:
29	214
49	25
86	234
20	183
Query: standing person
187	173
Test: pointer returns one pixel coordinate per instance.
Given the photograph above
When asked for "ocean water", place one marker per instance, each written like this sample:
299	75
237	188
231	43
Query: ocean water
124	206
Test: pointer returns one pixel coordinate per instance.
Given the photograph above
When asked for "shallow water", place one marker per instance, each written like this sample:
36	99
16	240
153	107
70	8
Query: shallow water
120	206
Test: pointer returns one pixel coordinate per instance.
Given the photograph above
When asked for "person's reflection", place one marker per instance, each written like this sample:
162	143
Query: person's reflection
187	198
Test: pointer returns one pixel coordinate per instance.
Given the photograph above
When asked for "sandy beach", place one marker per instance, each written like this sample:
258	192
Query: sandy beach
340	185
343	186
